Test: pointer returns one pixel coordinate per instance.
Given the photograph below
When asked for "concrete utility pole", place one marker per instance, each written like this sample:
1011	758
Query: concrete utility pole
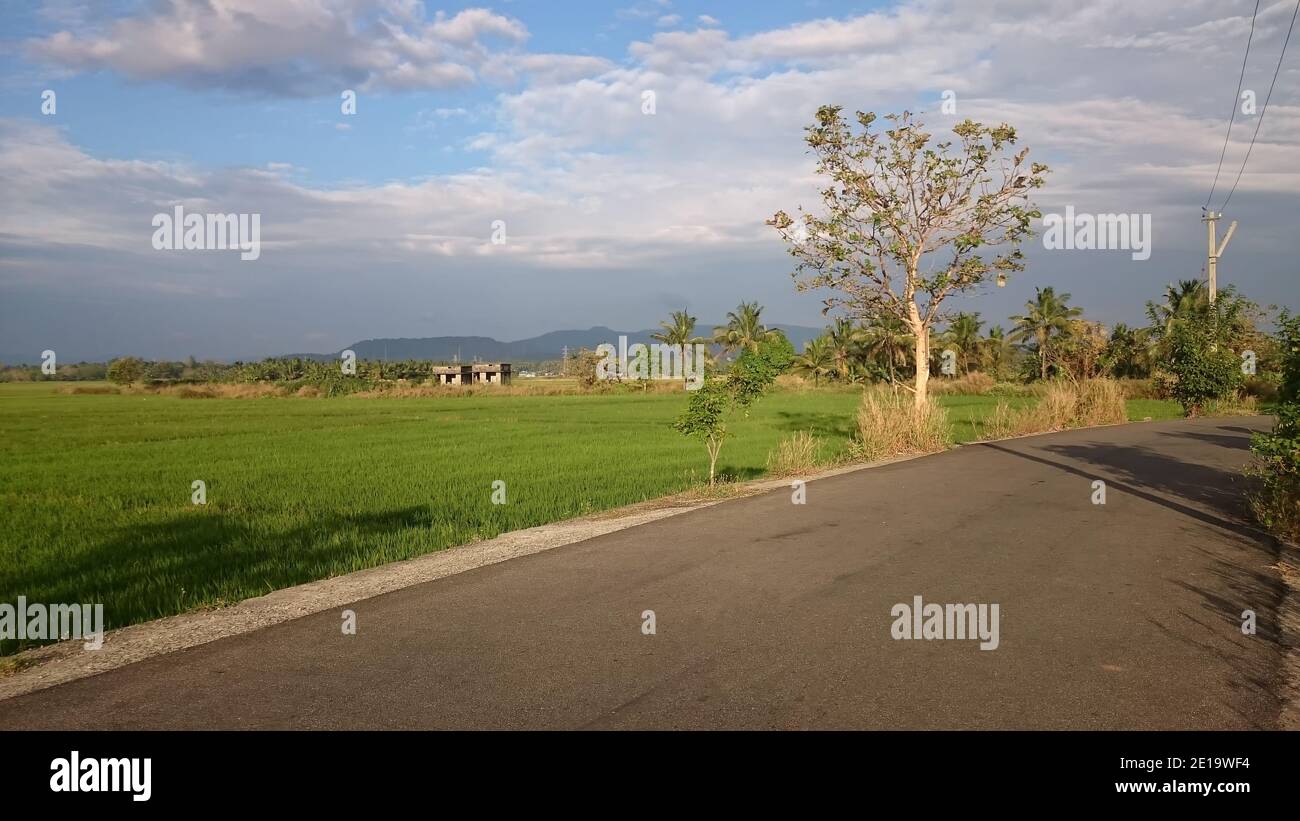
1215	250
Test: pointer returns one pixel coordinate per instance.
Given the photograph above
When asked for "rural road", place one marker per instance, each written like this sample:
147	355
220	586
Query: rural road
768	614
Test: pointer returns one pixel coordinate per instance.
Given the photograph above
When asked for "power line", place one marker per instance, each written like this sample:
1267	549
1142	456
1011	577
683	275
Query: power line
1236	100
1264	110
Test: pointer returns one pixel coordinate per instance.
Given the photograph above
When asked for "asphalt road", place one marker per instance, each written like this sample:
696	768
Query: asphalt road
775	615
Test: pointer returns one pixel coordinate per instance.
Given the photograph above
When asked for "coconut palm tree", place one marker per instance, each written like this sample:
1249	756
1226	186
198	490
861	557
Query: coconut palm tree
678	331
1188	298
1046	316
744	329
845	342
887	341
963	336
816	360
996	350
1126	353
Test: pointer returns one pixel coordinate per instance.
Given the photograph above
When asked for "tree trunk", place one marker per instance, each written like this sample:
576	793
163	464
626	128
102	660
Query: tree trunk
922	359
1042	357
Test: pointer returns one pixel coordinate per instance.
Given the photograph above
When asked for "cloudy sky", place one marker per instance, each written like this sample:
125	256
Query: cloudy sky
379	223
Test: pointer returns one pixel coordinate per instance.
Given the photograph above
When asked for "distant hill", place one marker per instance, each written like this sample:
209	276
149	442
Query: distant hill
535	349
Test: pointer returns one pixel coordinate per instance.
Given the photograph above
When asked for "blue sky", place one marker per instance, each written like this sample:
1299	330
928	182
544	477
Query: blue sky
404	134
377	224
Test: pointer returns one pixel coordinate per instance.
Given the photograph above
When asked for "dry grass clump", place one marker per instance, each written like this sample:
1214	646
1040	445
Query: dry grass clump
890	424
797	454
1100	402
1064	405
1055	411
94	390
1004	422
1018	389
975	383
1139	389
209	390
793	383
410	392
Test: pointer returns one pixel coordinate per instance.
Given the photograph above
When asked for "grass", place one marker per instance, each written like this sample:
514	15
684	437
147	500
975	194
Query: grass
890	424
95	488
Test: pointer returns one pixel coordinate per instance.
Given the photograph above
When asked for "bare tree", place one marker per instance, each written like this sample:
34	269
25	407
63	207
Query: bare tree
894	203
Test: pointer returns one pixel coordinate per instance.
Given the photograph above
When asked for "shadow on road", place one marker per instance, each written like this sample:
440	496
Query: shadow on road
1210	488
1230	442
1139	471
1209	495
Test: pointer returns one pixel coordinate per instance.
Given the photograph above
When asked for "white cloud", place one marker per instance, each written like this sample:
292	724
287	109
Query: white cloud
468	26
299	48
722	153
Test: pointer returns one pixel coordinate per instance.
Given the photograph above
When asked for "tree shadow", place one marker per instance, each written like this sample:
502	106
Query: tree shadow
818	424
739	474
203	557
1203	492
1230	442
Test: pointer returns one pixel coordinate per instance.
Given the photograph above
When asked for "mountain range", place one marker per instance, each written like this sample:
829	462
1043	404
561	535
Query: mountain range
534	349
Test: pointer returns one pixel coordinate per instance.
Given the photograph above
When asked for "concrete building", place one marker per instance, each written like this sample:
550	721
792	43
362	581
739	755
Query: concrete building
487	373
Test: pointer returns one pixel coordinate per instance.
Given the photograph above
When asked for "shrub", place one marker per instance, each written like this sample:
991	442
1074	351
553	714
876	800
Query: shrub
1289	349
1276	502
797	454
1264	386
710	405
126	370
582	367
1203	363
890	424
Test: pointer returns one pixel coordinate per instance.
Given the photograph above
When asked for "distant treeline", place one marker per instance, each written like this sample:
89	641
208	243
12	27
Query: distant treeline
80	372
289	371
